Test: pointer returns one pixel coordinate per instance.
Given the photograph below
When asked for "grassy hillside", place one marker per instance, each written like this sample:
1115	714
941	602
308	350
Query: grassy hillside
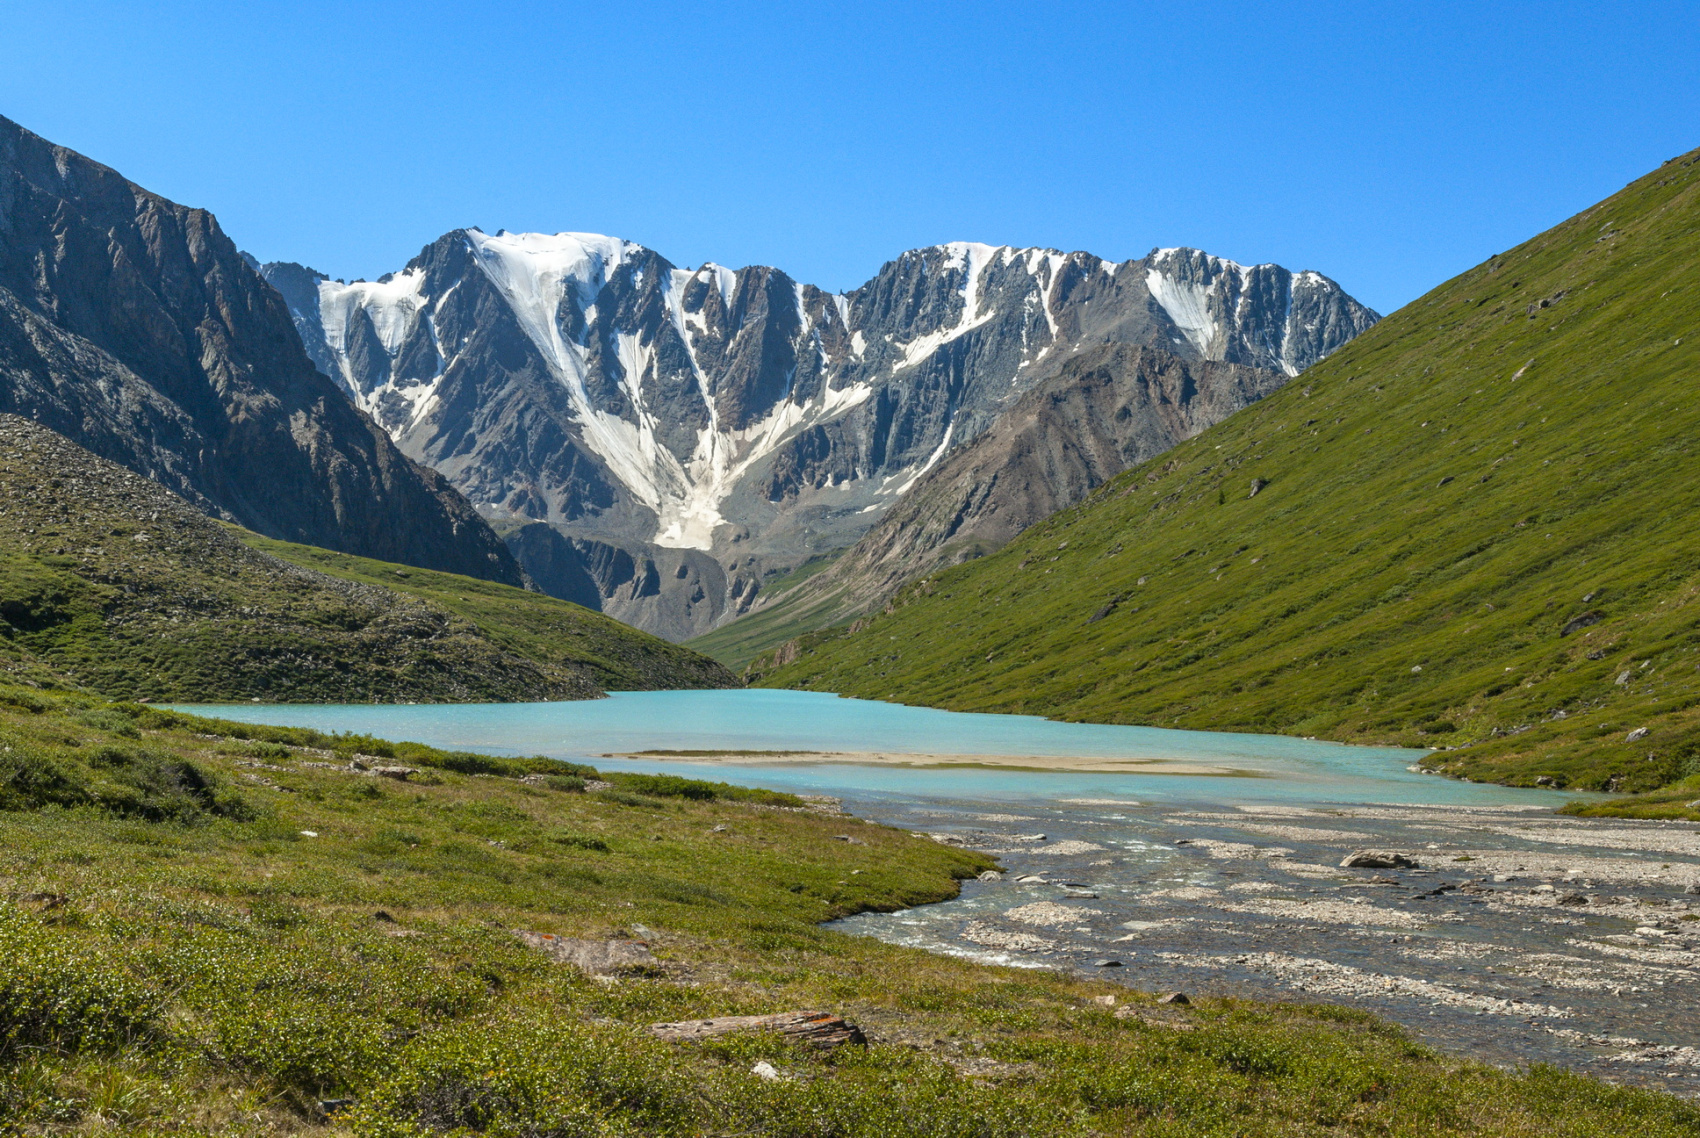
537	627
110	582
1471	528
215	928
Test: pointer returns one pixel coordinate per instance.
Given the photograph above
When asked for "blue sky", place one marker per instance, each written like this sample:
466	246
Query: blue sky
1387	145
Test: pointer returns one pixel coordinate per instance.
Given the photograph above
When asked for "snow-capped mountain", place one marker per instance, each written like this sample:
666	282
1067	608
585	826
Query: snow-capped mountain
711	425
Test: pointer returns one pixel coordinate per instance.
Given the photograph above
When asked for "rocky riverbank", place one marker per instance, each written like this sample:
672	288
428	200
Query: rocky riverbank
1516	936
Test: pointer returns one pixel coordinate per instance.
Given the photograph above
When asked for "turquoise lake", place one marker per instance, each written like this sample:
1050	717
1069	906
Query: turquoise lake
1280	768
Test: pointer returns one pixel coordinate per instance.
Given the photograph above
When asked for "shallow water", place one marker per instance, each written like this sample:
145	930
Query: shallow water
1279	768
1520	936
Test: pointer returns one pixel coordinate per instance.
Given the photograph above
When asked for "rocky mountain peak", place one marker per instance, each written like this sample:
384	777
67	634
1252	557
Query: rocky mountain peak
587	383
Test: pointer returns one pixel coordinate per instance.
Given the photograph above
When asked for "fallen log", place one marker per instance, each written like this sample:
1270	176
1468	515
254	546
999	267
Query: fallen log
819	1029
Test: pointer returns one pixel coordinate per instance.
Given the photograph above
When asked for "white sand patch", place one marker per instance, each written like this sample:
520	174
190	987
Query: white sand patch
1324	977
1067	848
1680	842
1307	833
1183	893
1231	851
1049	913
1328	912
993	937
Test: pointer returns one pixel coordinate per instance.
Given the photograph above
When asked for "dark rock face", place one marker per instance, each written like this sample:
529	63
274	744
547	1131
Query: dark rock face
132	325
1108	408
586	383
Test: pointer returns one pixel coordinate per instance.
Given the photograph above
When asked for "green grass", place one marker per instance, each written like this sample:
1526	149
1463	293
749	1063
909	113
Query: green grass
1472	530
532	625
111	583
312	933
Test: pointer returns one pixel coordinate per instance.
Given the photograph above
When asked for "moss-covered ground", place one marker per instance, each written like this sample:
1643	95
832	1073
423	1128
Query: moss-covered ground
213	928
1472	528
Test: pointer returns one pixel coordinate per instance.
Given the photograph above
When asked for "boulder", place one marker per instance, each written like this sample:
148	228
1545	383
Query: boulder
1376	859
597	957
990	875
819	1029
1174	998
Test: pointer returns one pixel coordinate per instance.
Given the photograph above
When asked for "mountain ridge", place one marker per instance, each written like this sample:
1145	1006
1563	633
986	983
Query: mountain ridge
586	383
1466	530
1106	409
132	324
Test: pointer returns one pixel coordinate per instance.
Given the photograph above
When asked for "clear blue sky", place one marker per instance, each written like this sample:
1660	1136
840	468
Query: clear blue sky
1387	145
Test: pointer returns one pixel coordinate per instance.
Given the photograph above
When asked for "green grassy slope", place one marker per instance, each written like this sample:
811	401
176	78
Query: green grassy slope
537	627
110	582
1474	527
210	928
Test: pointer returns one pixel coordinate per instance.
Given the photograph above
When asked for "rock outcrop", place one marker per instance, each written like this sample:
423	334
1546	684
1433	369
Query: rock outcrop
133	326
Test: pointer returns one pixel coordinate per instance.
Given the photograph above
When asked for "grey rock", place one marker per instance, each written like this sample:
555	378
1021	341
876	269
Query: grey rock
1636	735
1174	998
1376	859
133	326
1106	963
743	415
597	957
990	875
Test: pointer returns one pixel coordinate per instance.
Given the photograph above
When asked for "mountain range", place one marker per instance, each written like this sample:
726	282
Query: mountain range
656	441
1469	530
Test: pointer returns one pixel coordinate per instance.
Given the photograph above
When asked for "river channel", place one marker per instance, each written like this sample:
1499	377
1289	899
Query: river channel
1202	862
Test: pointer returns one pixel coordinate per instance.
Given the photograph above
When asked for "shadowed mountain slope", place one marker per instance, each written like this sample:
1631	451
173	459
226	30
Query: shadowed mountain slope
133	326
1471	528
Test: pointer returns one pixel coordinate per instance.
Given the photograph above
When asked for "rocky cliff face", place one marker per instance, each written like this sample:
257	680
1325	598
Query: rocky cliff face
1108	408
133	326
713	425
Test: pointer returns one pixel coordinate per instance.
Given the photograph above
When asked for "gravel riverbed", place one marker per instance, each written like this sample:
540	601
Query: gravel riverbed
1518	936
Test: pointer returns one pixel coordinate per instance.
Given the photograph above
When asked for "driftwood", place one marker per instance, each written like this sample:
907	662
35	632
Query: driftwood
597	957
821	1029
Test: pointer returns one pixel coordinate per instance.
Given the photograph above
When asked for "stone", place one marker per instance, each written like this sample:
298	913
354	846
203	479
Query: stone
1572	899
400	774
1376	859
1173	998
1546	780
766	1070
1635	735
990	875
1104	1001
818	1029
597	957
1080	895
1106	963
